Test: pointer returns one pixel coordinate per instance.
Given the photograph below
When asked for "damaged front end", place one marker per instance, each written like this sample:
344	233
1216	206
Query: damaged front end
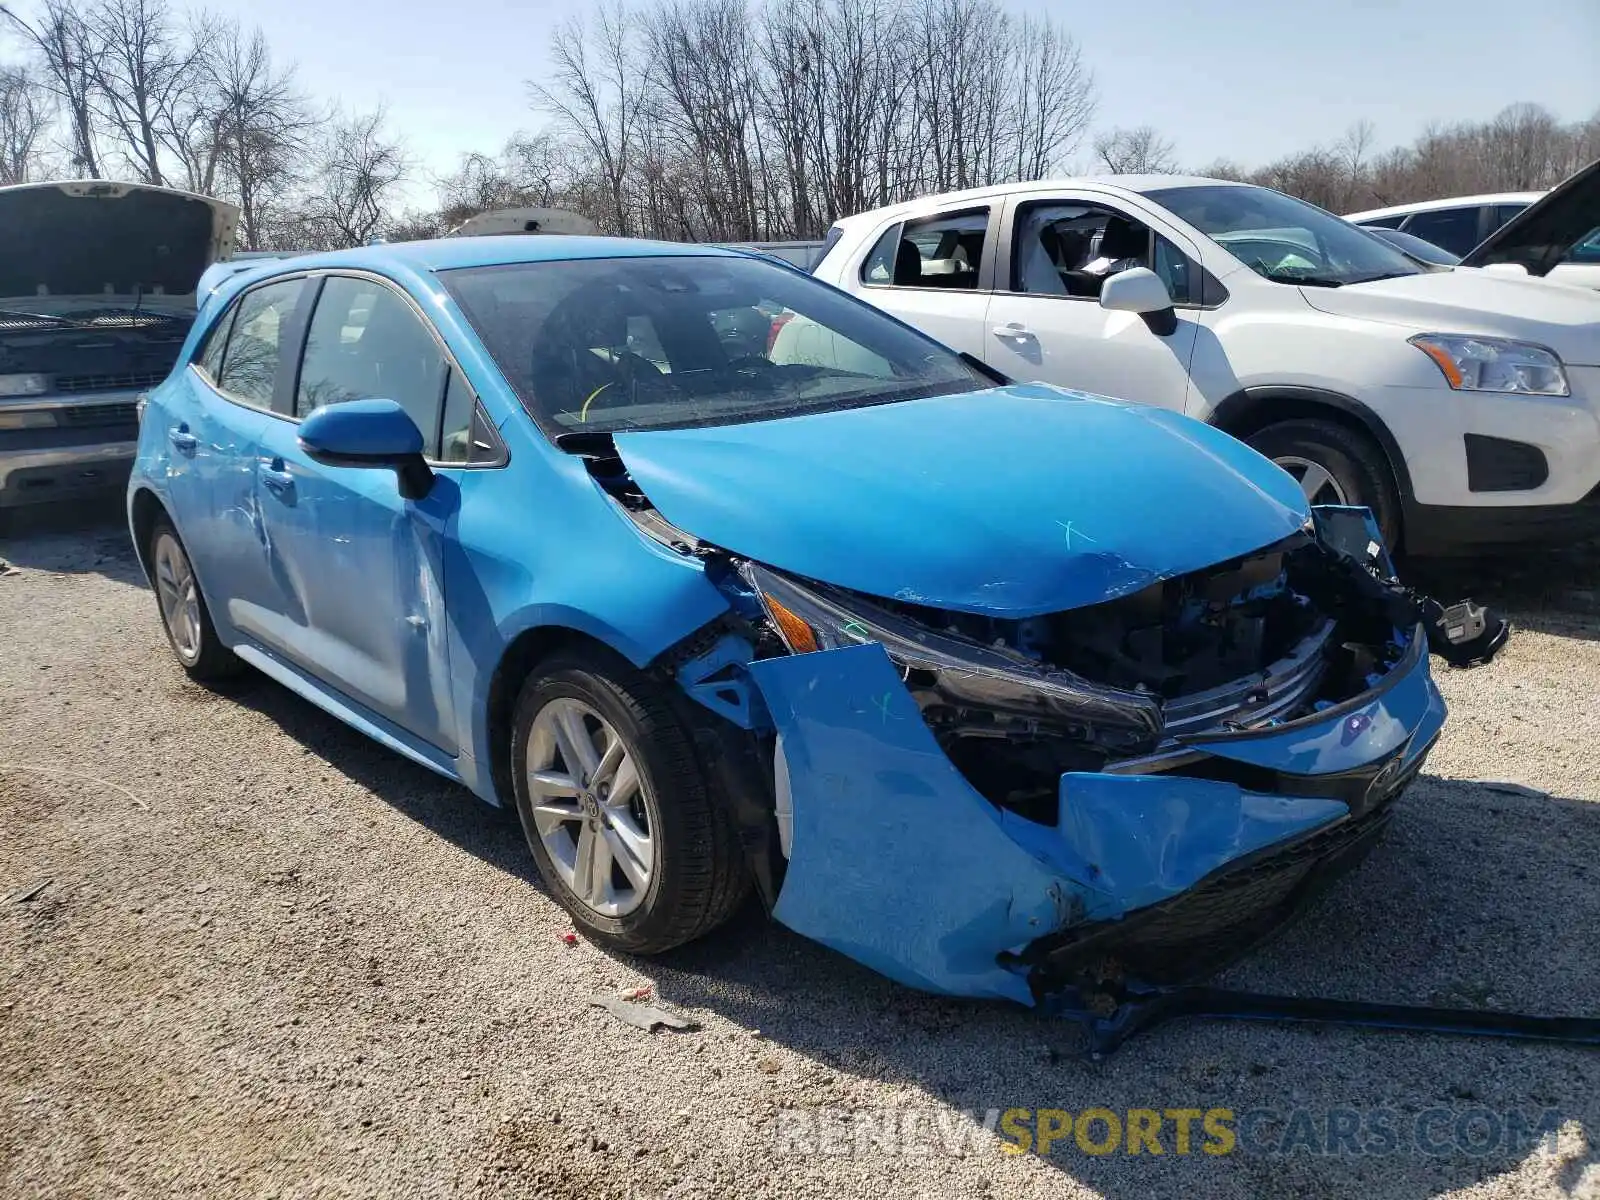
992	753
1004	808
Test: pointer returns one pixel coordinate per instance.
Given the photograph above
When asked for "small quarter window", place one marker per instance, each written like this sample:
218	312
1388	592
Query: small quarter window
210	358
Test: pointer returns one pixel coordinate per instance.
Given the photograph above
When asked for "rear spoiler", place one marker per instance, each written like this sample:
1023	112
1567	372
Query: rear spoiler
219	273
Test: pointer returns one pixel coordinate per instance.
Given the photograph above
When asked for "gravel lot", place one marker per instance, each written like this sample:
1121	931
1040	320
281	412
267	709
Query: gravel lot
271	959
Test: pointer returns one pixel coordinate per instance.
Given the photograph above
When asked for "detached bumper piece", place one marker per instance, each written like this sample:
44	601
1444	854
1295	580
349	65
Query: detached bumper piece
1113	1012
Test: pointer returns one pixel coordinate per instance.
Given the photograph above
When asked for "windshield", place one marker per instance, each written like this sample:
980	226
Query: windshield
1284	239
598	345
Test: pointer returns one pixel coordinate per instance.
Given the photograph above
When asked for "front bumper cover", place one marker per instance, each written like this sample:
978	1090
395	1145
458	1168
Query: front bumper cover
896	861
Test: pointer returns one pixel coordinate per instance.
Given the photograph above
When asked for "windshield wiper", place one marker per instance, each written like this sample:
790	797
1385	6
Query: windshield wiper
1304	280
53	318
1384	275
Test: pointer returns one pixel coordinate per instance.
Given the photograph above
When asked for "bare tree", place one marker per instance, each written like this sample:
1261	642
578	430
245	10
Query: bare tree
600	98
355	172
1137	151
146	64
25	113
703	98
250	128
1053	99
66	49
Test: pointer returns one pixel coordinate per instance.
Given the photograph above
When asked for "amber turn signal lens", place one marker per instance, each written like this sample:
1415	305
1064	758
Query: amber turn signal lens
796	632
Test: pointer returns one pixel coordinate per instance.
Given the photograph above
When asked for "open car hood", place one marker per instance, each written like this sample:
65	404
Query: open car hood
1011	502
1540	234
91	238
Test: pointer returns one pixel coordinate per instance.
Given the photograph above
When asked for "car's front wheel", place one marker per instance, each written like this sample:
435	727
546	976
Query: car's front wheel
184	614
616	808
1334	465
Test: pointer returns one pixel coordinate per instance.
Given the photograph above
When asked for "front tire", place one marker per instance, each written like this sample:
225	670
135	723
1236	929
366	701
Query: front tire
616	807
184	615
1335	465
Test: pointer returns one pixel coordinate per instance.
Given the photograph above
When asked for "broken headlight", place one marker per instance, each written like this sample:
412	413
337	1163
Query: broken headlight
953	671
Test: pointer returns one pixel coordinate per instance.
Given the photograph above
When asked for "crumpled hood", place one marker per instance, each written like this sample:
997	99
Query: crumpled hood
91	238
1011	502
1469	301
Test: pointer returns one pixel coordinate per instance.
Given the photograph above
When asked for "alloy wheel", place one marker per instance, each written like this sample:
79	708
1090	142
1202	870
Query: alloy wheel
1315	480
591	808
179	596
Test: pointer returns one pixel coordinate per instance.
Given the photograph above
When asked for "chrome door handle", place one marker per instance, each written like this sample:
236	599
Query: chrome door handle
1015	329
182	440
276	478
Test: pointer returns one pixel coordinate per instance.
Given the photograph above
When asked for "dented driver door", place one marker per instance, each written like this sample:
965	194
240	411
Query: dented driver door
356	567
359	585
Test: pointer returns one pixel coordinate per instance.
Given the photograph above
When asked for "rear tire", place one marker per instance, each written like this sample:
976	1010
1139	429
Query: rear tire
1336	465
667	866
184	615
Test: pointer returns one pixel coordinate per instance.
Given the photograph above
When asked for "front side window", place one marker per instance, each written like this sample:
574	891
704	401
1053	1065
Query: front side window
367	342
1284	239
674	341
1071	249
938	252
1455	229
260	323
1586	249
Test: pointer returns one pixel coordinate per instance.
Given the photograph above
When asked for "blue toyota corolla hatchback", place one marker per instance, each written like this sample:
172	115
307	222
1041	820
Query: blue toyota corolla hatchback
728	581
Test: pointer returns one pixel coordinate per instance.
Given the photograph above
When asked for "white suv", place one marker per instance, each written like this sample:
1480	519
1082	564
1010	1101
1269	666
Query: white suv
1462	407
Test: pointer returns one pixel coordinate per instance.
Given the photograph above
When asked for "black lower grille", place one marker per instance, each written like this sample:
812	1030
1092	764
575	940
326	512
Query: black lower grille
96	415
1501	465
108	382
1212	924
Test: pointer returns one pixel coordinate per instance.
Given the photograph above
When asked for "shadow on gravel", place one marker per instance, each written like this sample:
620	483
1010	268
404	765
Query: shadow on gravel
445	808
1478	897
80	538
1555	591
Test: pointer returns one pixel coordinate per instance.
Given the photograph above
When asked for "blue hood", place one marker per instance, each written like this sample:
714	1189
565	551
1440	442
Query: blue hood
1011	502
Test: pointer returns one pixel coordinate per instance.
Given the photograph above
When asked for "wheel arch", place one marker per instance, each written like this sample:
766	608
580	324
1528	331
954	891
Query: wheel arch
1252	409
521	656
145	508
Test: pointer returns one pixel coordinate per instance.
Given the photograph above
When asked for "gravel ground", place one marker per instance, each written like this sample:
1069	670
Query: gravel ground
271	959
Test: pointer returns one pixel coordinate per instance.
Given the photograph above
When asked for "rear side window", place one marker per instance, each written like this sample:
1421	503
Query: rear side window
1501	214
367	342
261	321
1385	222
1456	229
938	252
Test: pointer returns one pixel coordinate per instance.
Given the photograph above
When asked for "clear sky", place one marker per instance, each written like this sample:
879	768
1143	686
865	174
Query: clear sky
1243	79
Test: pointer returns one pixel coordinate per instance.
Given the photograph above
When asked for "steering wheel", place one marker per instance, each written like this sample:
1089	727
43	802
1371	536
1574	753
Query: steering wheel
630	368
755	365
